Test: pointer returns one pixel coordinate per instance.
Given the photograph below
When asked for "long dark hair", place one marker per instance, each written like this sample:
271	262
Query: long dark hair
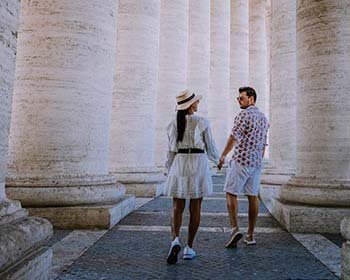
181	124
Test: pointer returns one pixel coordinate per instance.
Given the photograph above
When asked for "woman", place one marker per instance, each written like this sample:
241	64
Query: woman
190	146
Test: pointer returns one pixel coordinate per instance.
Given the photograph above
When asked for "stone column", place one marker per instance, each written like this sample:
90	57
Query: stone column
345	251
219	86
317	198
173	50
199	51
61	114
135	97
258	52
282	140
239	53
268	26
20	235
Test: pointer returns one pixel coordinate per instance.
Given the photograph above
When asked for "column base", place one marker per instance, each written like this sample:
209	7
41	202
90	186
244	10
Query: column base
345	228
64	190
21	251
308	218
141	182
274	175
318	192
35	266
101	216
345	261
269	194
11	210
275	179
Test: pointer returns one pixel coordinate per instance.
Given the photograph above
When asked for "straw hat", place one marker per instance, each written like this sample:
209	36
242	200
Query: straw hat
185	99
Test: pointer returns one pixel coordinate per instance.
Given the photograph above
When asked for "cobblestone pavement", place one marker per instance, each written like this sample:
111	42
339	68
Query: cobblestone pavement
137	247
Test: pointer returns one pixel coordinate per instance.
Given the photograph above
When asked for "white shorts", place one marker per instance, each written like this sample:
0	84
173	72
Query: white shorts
242	179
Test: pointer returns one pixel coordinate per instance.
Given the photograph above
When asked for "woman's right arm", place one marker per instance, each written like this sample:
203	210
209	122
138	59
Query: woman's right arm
172	147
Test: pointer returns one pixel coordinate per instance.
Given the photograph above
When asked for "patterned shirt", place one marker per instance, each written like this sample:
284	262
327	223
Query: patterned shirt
250	131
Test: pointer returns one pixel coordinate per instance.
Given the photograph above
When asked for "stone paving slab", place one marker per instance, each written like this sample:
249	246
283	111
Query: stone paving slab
218	180
164	204
218	188
142	255
163	218
58	234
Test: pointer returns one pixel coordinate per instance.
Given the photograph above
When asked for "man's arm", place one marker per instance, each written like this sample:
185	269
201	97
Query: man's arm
228	147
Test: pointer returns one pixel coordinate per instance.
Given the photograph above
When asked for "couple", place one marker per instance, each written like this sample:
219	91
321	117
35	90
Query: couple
190	146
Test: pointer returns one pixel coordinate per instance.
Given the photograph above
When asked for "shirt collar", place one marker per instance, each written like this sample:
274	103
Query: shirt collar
252	107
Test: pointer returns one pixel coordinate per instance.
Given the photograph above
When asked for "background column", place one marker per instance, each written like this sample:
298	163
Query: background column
19	234
199	51
258	52
321	186
172	68
219	85
239	54
135	97
61	113
282	139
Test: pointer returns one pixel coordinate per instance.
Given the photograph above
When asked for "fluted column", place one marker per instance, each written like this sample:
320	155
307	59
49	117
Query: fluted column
322	180
219	86
9	22
258	52
268	26
173	50
20	235
61	108
135	97
199	51
239	53
282	140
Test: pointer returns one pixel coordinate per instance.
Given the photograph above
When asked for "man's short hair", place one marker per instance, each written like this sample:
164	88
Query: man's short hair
249	90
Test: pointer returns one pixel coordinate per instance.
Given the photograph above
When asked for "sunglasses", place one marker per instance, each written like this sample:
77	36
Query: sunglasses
241	98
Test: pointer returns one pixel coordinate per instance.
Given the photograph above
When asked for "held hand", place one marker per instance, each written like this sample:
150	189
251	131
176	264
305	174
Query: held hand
221	162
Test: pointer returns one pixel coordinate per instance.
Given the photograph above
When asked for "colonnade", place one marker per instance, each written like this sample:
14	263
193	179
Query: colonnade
95	87
317	197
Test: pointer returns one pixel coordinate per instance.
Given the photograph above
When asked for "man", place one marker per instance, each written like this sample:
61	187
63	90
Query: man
248	135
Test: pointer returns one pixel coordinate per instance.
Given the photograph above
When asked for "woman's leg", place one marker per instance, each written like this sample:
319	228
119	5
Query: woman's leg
178	209
195	219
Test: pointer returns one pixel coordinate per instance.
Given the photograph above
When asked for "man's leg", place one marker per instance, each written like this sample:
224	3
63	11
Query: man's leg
195	218
232	208
252	214
178	209
252	185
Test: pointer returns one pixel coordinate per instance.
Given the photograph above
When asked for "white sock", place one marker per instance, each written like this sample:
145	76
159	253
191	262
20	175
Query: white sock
176	239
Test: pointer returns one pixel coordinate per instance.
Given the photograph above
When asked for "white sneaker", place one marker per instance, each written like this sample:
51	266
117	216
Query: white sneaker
175	248
235	236
249	240
189	253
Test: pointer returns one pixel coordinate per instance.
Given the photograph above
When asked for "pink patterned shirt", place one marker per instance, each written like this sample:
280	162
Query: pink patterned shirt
250	131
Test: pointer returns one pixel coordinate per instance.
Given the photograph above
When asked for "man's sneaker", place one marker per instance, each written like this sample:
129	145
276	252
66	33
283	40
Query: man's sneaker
189	253
175	248
249	240
235	236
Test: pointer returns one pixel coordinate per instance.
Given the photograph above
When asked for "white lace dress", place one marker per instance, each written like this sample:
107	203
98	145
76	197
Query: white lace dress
189	174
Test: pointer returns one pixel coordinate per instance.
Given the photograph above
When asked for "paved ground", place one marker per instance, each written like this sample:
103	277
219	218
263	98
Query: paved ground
137	247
